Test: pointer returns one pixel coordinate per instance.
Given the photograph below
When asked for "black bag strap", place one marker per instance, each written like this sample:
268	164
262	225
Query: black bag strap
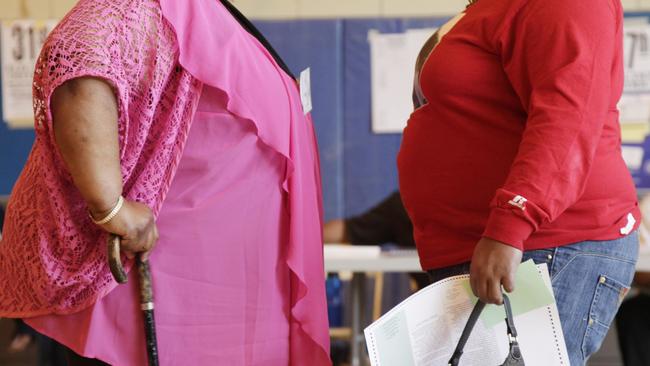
510	323
250	28
471	322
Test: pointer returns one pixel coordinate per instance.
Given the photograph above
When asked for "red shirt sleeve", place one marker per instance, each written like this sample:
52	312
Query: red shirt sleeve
558	56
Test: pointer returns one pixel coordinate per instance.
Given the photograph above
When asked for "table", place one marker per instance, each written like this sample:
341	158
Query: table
359	260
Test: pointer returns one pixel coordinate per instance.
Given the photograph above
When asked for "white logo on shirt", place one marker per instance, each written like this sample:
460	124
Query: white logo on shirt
519	201
631	221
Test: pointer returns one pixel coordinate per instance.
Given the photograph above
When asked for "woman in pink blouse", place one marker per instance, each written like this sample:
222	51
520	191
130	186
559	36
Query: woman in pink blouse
169	122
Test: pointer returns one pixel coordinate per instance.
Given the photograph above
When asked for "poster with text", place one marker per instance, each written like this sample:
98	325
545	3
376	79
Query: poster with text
636	43
21	44
392	65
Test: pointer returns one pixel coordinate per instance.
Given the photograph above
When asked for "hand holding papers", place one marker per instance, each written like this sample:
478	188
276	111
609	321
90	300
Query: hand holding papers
424	329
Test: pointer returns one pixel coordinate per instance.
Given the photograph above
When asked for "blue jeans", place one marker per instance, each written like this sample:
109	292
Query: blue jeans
589	280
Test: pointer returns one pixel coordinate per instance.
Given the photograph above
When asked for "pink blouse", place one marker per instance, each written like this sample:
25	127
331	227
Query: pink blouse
157	56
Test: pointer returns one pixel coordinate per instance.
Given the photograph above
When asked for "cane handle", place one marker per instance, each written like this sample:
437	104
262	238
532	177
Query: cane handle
115	260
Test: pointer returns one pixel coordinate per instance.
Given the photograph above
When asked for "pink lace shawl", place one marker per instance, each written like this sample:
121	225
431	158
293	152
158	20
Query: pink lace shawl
157	55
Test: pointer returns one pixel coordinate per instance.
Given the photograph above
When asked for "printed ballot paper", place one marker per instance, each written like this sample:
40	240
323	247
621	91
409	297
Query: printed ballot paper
424	329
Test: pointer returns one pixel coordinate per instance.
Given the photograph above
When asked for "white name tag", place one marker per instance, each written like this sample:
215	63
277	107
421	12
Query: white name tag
305	90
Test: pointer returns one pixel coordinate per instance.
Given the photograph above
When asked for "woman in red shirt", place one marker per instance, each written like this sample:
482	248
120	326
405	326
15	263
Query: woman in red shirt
516	155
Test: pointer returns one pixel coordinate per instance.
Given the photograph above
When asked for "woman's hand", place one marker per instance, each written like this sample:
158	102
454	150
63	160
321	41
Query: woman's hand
136	227
493	264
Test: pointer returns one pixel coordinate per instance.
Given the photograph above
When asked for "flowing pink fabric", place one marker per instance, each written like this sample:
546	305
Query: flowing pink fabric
221	280
194	23
208	47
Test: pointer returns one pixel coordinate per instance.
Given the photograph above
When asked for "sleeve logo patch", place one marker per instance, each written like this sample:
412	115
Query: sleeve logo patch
627	229
519	202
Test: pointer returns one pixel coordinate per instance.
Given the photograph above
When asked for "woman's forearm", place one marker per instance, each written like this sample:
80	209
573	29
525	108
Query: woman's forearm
85	119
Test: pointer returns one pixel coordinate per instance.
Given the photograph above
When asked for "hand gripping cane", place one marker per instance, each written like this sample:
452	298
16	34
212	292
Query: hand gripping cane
146	294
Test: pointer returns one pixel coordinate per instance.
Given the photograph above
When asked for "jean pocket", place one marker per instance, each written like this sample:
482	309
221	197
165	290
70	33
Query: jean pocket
608	296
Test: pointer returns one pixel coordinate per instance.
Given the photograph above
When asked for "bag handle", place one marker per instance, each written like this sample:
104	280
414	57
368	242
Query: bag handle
510	322
471	322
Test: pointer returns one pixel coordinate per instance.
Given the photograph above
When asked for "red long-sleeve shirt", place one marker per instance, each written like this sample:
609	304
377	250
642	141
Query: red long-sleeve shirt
520	139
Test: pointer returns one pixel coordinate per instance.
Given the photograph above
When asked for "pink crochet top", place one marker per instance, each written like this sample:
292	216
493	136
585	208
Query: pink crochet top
155	55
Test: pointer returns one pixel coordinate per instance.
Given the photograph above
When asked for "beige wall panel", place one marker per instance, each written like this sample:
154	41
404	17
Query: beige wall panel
630	5
268	9
10	9
422	7
339	8
643	5
61	7
289	9
37	9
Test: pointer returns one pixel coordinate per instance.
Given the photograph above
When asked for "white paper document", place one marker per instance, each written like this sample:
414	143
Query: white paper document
424	329
637	57
634	108
633	156
392	64
21	44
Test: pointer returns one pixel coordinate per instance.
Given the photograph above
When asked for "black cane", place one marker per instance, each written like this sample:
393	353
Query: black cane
146	294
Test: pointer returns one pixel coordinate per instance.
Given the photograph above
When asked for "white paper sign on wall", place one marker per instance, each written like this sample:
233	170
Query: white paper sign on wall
21	44
637	58
392	63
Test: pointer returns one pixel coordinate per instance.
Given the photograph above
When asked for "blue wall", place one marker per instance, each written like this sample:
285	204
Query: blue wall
14	148
358	167
370	168
317	44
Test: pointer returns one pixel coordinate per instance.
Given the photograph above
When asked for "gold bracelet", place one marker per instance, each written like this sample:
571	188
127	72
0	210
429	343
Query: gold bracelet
111	215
